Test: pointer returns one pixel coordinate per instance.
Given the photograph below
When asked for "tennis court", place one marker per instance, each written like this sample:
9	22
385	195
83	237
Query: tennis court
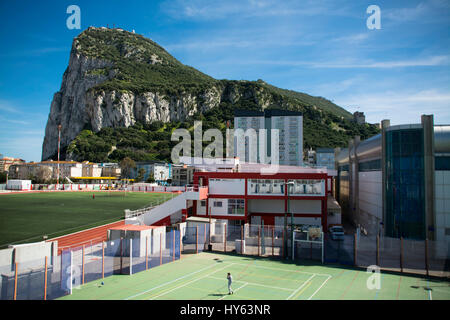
203	277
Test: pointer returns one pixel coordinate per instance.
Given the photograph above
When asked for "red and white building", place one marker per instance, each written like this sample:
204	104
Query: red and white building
241	193
248	196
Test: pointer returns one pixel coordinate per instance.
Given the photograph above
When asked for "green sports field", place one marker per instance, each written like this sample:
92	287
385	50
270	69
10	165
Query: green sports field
203	277
27	217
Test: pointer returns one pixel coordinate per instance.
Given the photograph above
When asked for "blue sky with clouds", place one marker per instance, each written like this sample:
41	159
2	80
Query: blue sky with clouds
322	48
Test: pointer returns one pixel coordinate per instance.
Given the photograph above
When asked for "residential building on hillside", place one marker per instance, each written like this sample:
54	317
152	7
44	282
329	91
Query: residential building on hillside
182	175
6	162
161	172
325	158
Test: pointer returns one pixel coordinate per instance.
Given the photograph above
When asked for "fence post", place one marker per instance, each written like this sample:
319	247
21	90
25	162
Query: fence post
196	239
103	259
45	279
273	235
282	247
204	235
82	267
131	256
259	240
242	239
160	249
354	250
15	280
173	245
121	254
225	239
181	242
401	254
378	250
426	256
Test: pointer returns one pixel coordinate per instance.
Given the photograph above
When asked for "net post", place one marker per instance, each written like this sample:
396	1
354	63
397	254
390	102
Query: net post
146	253
401	254
160	249
259	240
273	235
354	250
45	279
82	267
103	259
196	239
378	249
426	257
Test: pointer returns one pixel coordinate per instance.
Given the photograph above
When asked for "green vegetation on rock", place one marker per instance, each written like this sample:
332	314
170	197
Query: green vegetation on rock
139	65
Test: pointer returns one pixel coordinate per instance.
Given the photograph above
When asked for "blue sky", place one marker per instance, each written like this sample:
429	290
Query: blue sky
322	48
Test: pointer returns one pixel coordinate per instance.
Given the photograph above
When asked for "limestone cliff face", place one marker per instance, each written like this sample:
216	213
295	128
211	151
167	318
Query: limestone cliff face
116	78
68	107
76	107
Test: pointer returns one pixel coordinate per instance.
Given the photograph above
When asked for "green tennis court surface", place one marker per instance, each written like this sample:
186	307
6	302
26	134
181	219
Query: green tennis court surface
203	277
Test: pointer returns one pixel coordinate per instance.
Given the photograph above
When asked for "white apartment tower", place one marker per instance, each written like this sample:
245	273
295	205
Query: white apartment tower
289	124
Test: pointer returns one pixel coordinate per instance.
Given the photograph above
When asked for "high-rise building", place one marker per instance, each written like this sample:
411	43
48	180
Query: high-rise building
325	158
290	126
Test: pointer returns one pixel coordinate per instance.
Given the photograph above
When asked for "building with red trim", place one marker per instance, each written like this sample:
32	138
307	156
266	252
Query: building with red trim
247	195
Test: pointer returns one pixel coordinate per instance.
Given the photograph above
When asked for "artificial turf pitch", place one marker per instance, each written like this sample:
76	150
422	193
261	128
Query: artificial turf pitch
203	277
27	217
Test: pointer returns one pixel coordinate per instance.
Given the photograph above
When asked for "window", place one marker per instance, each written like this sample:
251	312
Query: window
373	165
442	163
236	206
218	204
203	203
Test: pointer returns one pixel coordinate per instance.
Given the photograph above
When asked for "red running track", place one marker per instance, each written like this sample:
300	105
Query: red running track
85	237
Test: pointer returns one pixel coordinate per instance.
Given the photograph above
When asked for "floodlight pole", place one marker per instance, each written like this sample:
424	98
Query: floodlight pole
289	184
59	145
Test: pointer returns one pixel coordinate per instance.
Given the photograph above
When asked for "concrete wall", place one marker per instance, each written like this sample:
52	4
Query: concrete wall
370	201
266	206
306	206
30	255
227	186
279	221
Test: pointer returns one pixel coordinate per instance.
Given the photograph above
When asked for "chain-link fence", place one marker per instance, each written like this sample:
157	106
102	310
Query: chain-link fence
404	255
57	276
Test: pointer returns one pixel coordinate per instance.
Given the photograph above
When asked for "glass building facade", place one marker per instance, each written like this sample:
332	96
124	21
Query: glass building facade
404	189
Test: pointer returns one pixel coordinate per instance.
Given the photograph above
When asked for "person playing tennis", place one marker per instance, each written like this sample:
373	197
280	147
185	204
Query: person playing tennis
230	281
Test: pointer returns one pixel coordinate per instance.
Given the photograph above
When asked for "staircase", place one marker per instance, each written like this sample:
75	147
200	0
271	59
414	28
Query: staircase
152	215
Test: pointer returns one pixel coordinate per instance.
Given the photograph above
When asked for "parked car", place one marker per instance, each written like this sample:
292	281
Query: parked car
336	232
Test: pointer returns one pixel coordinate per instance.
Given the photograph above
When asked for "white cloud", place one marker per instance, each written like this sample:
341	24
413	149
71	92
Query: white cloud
8	107
400	107
425	11
215	10
352	39
442	60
